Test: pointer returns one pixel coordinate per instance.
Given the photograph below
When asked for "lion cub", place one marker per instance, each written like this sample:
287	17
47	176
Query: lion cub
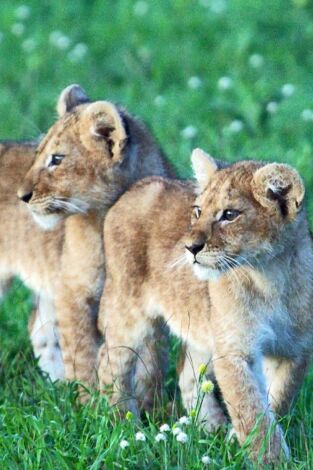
252	321
89	157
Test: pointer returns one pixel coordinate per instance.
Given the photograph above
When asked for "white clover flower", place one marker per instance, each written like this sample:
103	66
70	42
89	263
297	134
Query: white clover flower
256	61
288	90
17	29
78	52
159	100
29	45
189	132
176	431
165	428
218	6
124	444
54	36
225	83
63	42
22	12
160	437
184	420
194	82
141	8
235	126
272	107
59	40
307	115
206	460
139	436
182	437
144	53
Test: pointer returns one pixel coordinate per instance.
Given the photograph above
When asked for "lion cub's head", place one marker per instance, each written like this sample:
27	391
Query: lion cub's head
243	212
77	162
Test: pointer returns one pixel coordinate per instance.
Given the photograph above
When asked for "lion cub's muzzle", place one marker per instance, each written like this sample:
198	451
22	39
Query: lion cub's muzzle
25	196
199	253
195	248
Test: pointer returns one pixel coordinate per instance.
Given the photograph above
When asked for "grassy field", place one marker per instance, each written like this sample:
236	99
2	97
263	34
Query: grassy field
232	76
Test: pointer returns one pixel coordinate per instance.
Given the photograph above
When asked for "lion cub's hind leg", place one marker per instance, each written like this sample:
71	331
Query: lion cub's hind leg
283	379
125	328
151	366
211	414
45	339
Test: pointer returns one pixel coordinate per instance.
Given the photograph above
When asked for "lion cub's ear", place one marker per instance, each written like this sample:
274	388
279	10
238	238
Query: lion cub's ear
203	166
279	185
71	96
103	123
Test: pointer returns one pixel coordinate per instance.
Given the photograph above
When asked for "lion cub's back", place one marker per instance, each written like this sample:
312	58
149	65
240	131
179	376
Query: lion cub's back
151	216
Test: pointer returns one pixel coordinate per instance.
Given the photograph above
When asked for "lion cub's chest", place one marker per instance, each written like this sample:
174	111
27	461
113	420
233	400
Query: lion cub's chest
270	306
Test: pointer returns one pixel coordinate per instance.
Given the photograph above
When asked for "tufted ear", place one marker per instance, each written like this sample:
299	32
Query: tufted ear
203	166
105	124
71	96
279	186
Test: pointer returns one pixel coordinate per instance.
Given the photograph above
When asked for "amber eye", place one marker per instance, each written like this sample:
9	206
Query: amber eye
55	160
196	211
229	215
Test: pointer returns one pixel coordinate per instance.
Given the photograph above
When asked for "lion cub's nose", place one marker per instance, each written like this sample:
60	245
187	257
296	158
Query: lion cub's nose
195	248
25	197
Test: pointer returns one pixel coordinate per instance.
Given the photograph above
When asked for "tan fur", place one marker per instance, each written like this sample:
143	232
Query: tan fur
105	150
22	245
254	312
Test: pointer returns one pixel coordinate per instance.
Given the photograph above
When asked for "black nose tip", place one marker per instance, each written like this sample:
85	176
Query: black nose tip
195	248
26	197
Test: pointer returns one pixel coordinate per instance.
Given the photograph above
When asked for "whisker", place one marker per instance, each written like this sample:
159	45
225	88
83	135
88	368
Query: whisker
230	271
69	206
179	261
237	267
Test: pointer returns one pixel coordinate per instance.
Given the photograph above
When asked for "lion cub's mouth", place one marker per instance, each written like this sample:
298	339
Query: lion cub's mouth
59	205
211	265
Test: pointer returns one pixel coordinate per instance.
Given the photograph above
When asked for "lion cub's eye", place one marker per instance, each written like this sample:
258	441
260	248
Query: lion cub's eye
229	215
196	211
55	160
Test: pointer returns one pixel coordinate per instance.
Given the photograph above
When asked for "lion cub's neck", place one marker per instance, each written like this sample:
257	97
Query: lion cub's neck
143	157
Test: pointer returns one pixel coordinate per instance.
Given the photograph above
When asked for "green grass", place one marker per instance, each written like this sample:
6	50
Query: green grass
146	62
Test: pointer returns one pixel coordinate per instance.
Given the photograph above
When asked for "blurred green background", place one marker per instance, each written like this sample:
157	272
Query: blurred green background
231	76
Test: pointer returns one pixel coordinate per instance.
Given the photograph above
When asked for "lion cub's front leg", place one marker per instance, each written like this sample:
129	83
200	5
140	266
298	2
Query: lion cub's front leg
247	403
44	336
78	295
5	284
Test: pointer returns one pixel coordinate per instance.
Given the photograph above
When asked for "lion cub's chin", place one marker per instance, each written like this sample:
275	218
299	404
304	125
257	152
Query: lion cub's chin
47	221
203	273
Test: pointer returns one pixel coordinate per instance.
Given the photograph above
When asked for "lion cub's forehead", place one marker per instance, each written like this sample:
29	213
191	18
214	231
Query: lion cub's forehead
63	131
229	183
